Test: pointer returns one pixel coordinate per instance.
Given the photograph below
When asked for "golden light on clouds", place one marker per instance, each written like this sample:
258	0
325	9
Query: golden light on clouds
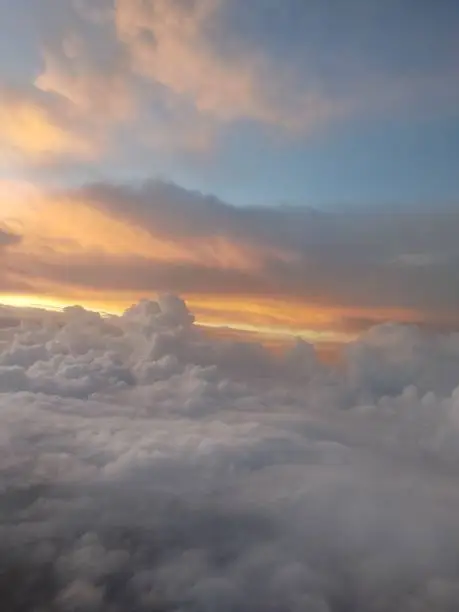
269	318
60	226
106	248
30	130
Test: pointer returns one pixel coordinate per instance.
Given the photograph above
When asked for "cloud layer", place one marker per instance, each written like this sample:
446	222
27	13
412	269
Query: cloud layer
145	467
299	268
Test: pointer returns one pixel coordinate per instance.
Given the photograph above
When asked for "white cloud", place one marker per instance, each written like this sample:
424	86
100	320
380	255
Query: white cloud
391	356
140	468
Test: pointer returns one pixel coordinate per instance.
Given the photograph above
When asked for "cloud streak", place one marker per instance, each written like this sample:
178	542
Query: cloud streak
110	240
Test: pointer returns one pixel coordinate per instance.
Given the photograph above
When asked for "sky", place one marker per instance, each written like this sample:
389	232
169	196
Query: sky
290	167
185	187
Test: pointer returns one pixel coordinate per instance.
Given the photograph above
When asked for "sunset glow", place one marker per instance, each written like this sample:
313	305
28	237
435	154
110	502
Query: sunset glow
229	306
146	147
82	246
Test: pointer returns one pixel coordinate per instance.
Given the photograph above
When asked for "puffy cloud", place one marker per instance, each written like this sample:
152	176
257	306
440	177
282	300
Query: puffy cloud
188	484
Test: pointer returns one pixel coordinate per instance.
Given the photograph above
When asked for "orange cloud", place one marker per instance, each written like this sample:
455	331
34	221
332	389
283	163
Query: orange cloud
278	271
167	43
275	319
28	127
171	74
152	66
61	225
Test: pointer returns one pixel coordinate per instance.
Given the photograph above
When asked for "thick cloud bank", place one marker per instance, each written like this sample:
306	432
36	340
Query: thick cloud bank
145	467
276	266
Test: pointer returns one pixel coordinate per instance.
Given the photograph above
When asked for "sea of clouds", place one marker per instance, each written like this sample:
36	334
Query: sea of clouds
145	467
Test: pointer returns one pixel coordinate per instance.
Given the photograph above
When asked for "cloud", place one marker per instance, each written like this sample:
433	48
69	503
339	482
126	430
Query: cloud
171	44
140	469
36	128
87	69
175	76
7	238
390	357
114	242
165	42
158	59
9	282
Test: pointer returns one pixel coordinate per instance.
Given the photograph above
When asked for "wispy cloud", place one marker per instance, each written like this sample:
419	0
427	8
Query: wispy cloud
38	128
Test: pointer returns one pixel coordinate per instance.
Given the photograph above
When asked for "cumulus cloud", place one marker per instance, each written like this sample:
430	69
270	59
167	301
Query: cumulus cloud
346	271
141	469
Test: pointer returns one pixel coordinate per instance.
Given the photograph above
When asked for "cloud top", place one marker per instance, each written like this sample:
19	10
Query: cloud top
146	466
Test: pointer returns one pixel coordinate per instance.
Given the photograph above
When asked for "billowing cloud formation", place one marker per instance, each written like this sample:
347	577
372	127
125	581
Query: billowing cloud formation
110	244
173	44
165	56
172	74
144	467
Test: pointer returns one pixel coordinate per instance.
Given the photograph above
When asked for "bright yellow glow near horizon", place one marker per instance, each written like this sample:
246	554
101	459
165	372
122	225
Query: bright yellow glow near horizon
48	303
55	228
26	301
266	318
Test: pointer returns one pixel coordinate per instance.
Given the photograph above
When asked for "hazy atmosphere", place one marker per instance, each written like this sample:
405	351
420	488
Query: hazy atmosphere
229	306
